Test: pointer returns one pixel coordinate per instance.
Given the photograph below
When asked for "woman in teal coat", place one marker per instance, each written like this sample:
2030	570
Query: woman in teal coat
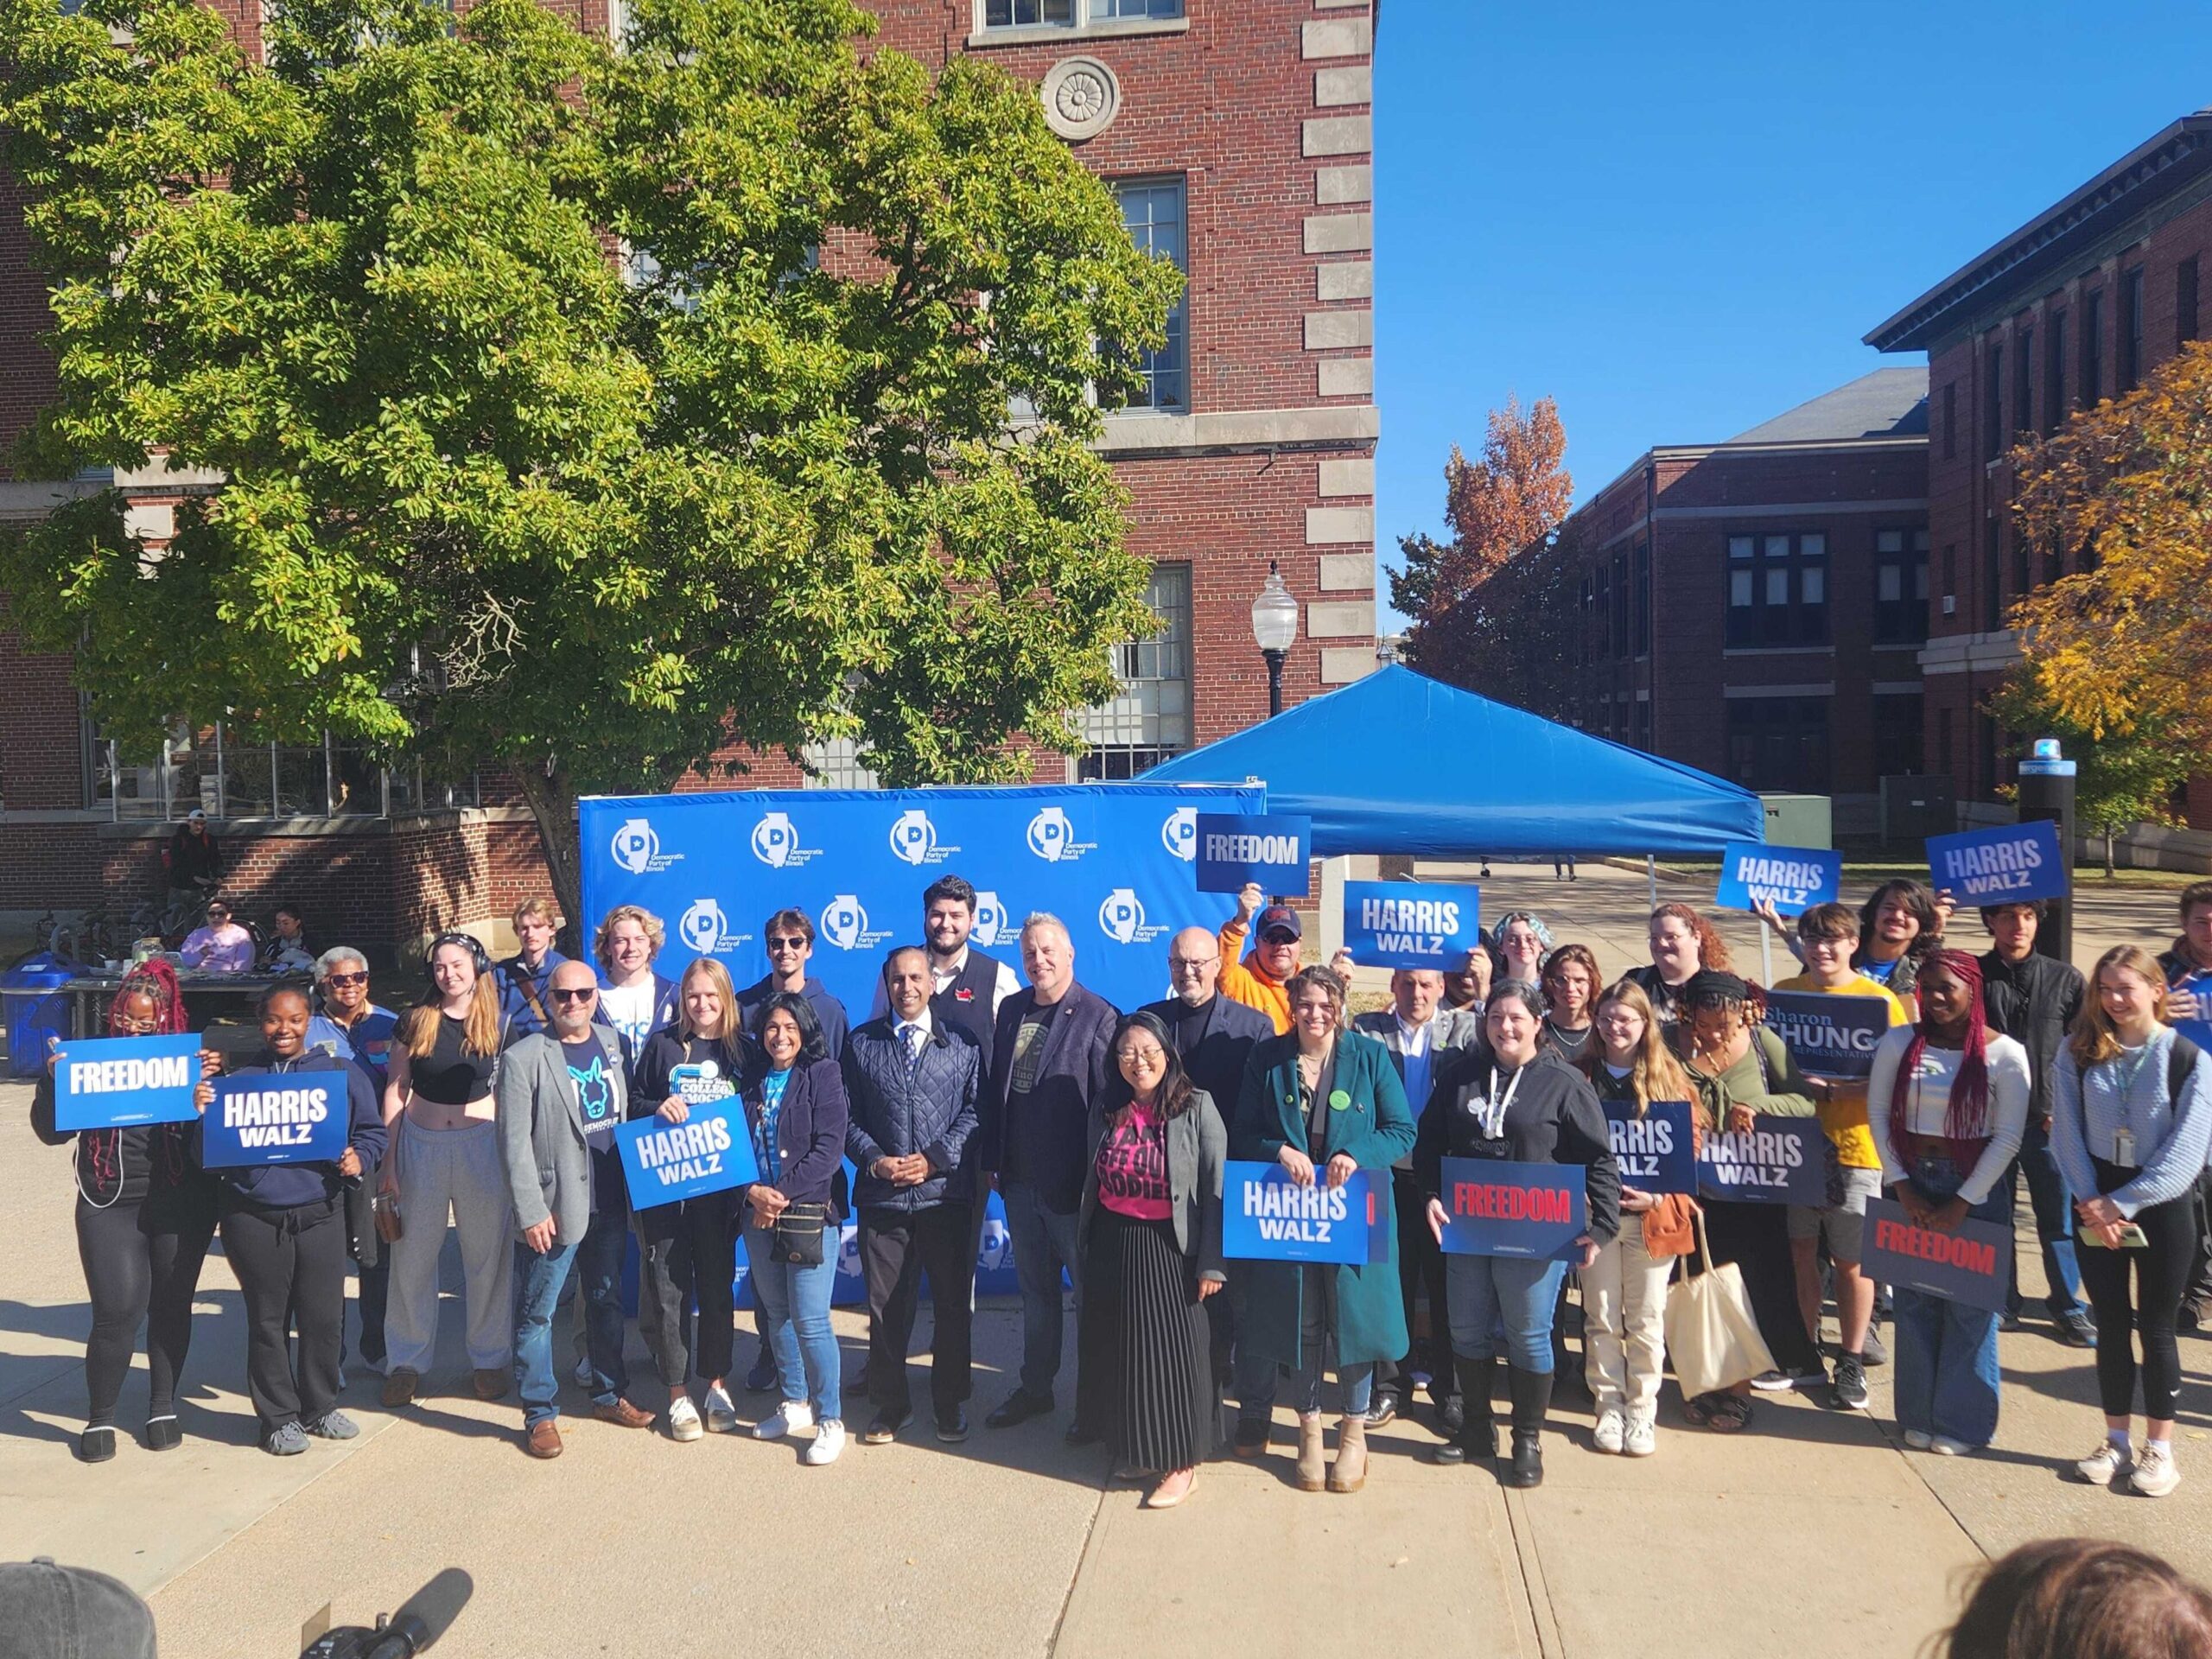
1322	1095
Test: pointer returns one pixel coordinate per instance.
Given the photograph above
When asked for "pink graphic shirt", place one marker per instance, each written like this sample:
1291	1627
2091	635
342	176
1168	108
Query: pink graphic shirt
1133	1167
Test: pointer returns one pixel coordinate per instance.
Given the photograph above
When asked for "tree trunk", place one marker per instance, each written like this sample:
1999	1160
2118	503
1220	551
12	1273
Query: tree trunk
552	801
2108	852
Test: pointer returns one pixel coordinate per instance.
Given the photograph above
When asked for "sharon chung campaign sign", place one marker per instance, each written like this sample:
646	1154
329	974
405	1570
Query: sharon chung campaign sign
1494	1207
710	1151
110	1082
276	1117
1794	879
1829	1035
2000	866
1269	849
1267	1217
1112	861
1410	924
1655	1152
1970	1265
1777	1160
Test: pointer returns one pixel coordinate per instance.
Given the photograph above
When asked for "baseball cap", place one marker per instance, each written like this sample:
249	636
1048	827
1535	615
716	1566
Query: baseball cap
1277	916
196	816
70	1612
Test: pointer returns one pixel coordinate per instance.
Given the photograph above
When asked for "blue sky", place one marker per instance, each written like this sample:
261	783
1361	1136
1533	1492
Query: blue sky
1679	220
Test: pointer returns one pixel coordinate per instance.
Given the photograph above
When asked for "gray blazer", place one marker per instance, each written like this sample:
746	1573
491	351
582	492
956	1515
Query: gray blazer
1197	1147
541	1131
1449	1029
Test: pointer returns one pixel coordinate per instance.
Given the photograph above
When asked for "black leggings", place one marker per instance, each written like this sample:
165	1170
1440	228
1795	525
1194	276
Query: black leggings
1756	1237
2161	1272
141	1264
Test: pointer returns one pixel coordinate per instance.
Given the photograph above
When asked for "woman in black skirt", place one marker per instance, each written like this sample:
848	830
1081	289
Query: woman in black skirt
1151	1233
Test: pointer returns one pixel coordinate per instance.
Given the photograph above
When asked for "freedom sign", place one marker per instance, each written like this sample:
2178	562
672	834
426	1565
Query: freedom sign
1793	879
1829	1036
1656	1152
276	1117
113	1083
1777	1160
1267	1217
1494	1207
2006	866
710	1151
1411	925
1269	848
1969	1266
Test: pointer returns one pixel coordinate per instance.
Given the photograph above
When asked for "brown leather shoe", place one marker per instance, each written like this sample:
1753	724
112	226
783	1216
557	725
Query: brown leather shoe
623	1414
399	1387
490	1385
542	1439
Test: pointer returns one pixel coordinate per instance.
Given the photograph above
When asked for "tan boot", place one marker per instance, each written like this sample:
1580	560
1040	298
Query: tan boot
1349	1472
1313	1473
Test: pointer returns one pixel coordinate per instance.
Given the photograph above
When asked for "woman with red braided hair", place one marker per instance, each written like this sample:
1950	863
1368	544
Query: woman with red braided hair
1947	1101
145	1211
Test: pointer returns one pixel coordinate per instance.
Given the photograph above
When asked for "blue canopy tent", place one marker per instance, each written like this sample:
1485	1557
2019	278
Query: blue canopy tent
1400	763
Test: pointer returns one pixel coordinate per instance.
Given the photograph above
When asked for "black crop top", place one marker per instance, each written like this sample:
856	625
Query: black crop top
446	1075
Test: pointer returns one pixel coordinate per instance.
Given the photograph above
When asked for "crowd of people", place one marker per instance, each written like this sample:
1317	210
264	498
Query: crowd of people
490	1106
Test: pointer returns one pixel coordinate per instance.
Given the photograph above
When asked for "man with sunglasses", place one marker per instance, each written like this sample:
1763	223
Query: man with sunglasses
349	1025
1257	981
221	947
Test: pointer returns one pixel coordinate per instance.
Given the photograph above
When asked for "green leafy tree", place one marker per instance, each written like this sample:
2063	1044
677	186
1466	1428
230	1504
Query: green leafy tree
580	411
2123	776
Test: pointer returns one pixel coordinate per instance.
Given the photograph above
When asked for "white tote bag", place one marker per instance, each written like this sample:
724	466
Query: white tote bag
1712	1337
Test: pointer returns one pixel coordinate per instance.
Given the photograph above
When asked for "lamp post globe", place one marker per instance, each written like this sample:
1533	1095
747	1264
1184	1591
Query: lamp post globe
1274	630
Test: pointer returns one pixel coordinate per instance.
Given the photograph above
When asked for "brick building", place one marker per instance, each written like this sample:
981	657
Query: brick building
1238	141
1753	607
2075	306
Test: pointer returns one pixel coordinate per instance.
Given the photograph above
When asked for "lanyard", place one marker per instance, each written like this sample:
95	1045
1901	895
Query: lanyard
1492	1111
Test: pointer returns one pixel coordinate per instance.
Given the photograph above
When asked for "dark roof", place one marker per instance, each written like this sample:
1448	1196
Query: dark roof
2175	158
1886	404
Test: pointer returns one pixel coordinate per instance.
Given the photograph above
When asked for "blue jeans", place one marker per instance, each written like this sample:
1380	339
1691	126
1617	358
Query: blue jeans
537	1281
1044	1242
795	1313
1483	1291
1947	1378
598	1278
2054	1210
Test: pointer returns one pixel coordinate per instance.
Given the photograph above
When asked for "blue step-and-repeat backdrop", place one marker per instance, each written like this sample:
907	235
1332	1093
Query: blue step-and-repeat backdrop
1114	861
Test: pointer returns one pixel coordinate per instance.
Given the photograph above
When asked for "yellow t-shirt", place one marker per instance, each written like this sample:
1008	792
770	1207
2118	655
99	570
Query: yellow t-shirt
1843	1117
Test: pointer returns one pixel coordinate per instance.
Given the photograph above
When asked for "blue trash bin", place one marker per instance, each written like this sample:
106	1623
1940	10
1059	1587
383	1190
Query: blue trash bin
34	1008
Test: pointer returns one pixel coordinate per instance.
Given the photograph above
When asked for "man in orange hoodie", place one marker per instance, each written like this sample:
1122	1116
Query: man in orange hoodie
1257	980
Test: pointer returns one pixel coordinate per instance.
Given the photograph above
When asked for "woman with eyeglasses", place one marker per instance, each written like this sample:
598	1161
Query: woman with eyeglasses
1150	1226
1683	944
1523	943
441	1109
145	1213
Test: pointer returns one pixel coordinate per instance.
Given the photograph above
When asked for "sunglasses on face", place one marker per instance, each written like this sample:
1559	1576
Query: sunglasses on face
1276	936
787	945
348	979
584	995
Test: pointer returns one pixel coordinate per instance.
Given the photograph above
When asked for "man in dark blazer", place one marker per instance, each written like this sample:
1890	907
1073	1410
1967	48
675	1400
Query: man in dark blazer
1049	1063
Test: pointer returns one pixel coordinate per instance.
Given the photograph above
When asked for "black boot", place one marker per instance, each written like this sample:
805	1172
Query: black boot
1532	1398
1477	1439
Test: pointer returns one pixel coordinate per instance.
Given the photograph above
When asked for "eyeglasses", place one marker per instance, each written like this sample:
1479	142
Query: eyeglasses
1190	964
581	995
787	945
347	979
127	1022
1150	1055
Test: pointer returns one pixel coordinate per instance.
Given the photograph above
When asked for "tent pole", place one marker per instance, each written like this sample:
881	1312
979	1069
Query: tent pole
1651	876
1766	958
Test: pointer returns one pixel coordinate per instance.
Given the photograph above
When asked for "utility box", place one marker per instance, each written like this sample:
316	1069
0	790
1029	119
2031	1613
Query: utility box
1798	820
1915	808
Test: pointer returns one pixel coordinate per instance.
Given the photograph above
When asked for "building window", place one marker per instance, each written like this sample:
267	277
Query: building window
1028	13
1100	10
1779	743
2054	373
1992	598
1643	724
2023	383
1620	634
2130	329
1643	598
213	769
2184	302
1151	720
1154	211
1993	401
1777	590
2092	347
1944	723
1986	779
1950	420
1601	619
1898	742
1900	587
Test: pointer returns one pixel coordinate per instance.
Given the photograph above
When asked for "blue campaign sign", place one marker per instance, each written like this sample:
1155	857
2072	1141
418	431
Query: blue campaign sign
1656	1152
2006	865
1494	1207
1971	1265
1411	925
1793	878
276	1117
1777	1160
710	1151
1829	1036
1112	861
112	1083
2199	1029
1267	1217
1269	848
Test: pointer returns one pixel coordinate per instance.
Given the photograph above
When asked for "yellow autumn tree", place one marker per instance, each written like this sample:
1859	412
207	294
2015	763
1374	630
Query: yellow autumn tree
2119	647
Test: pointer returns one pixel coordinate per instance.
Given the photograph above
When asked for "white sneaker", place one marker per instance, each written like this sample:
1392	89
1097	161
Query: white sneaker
2156	1473
684	1421
828	1441
1610	1430
1639	1437
584	1375
791	1416
722	1411
1944	1447
2109	1459
1919	1440
1780	1381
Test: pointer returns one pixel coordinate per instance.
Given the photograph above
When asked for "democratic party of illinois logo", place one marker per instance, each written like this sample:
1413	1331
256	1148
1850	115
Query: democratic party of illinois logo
993	925
913	838
775	843
1052	837
1178	833
844	923
636	848
702	926
1121	918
